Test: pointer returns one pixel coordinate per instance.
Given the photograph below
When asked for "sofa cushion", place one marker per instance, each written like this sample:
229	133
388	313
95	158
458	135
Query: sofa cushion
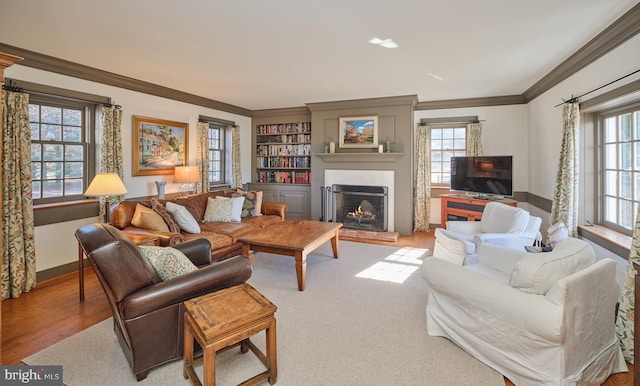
147	218
217	240
236	207
252	205
502	218
183	217
262	220
231	229
536	273
218	211
123	213
168	262
196	204
162	211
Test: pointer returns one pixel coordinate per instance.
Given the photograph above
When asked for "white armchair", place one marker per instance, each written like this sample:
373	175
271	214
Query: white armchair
537	318
501	224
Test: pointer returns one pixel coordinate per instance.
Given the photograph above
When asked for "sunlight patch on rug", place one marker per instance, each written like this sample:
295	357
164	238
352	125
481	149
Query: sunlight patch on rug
397	267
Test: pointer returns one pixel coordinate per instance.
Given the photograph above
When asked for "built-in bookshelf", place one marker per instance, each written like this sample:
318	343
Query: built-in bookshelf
283	153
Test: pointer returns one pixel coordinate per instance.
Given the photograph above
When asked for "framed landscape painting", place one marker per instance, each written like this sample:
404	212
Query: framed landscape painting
158	145
359	132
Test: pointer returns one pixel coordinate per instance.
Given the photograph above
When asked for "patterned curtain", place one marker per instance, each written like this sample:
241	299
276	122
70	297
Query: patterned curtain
111	149
202	156
474	139
18	238
236	173
423	179
565	197
626	311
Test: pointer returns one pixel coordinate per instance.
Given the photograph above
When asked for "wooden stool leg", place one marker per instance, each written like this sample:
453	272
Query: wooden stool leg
209	364
272	357
188	349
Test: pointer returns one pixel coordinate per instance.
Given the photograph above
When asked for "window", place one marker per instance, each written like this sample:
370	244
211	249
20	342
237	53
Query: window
217	142
446	141
60	150
620	155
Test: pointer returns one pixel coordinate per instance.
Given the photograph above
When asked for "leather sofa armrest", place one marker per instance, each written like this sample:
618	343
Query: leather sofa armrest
214	277
197	250
275	208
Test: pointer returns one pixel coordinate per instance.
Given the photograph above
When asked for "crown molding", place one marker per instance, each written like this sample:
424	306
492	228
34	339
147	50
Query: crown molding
409	100
265	113
623	29
472	102
65	67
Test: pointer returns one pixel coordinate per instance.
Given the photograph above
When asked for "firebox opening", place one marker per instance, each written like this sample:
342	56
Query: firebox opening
361	207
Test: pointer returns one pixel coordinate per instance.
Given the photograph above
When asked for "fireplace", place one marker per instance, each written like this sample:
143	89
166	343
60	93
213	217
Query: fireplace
361	207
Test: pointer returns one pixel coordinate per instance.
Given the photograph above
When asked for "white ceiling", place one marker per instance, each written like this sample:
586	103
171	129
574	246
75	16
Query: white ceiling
284	53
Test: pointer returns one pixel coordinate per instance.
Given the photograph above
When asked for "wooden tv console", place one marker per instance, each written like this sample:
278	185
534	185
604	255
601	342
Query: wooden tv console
465	208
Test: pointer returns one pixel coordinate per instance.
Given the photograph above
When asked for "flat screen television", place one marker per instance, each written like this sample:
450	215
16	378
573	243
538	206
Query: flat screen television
487	176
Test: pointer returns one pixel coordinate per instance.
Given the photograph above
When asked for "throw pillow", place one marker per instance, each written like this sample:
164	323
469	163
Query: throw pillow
162	211
168	262
536	273
236	207
252	202
218	210
184	219
146	218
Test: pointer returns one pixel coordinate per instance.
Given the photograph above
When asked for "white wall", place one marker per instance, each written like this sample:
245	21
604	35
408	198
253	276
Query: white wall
545	122
504	129
55	243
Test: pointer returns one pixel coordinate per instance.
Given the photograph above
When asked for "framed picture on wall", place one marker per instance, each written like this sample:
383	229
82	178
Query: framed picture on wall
359	132
158	145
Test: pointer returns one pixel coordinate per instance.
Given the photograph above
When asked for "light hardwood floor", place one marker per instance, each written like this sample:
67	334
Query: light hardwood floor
53	311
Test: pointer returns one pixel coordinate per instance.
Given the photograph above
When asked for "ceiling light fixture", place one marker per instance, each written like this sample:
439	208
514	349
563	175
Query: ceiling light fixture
386	43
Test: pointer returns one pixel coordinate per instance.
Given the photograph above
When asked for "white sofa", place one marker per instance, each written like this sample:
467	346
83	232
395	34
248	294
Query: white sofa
501	224
537	318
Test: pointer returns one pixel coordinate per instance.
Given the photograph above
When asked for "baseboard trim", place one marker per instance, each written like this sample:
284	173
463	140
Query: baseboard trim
60	270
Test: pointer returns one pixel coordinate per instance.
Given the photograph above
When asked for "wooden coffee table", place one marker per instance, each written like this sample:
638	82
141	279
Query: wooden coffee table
294	238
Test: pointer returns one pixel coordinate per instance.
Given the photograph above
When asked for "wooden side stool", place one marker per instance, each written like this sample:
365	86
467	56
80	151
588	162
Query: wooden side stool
225	319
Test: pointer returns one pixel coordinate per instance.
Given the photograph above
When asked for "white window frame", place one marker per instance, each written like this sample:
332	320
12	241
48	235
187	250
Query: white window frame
447	148
612	171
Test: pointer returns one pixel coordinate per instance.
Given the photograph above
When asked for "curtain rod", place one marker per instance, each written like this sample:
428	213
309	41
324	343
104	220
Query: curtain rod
11	86
575	99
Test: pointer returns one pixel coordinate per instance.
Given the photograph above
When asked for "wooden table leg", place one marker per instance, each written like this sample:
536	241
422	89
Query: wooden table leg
187	362
209	358
246	250
301	268
335	245
272	357
81	272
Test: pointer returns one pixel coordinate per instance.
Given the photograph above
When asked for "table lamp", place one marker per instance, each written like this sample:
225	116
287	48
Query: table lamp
188	176
106	184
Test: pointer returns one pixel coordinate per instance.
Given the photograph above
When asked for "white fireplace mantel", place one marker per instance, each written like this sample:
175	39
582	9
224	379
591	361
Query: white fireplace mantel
359	157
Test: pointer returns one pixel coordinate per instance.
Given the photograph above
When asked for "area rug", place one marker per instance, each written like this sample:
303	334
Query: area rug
360	321
358	234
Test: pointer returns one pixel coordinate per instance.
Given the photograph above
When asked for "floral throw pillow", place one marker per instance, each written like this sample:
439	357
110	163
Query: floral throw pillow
218	210
168	262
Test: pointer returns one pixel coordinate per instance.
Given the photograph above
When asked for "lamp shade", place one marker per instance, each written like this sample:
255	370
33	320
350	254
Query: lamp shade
186	174
106	184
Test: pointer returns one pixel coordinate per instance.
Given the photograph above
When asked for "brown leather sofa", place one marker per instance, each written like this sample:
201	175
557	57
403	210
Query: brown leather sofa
223	236
148	313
